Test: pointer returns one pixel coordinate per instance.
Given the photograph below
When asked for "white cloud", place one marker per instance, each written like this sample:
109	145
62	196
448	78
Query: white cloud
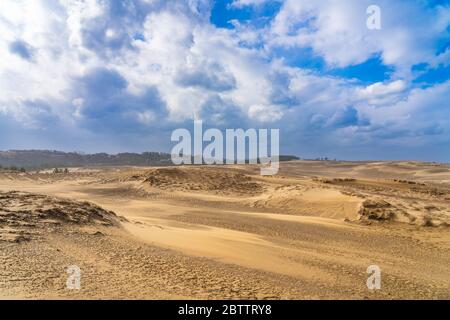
425	113
194	68
243	3
382	93
336	30
265	113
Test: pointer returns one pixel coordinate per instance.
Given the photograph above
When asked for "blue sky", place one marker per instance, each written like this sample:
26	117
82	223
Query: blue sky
98	75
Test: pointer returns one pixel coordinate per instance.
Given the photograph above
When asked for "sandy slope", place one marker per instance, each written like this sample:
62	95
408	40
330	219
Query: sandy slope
226	232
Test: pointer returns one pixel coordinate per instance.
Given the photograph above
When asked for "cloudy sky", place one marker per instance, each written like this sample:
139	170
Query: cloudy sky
100	75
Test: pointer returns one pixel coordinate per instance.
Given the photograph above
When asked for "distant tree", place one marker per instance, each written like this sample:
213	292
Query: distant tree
66	171
23	170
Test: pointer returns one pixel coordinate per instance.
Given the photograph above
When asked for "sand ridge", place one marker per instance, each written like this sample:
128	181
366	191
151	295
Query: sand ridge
226	232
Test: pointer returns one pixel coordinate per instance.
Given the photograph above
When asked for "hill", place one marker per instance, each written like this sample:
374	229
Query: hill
40	159
44	159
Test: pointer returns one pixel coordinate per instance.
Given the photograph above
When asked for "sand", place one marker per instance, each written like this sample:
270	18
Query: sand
225	232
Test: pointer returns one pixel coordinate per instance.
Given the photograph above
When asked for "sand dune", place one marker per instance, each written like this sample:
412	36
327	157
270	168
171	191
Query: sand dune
204	179
25	216
307	200
226	232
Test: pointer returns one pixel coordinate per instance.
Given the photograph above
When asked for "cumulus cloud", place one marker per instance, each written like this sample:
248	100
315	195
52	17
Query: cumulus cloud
102	101
131	68
208	76
337	31
265	113
382	93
